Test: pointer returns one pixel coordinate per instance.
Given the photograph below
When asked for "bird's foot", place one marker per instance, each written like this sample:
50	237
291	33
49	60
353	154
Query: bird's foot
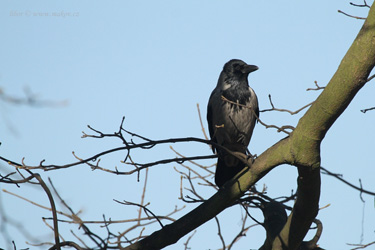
252	157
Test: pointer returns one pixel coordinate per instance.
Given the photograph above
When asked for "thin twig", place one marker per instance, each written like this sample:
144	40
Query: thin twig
360	246
242	232
188	239
53	207
317	87
143	196
200	120
361	5
368	109
219	232
370	78
192	161
285	110
356	17
166	161
337	176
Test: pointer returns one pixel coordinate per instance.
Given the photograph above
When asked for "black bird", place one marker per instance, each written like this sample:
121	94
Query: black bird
231	120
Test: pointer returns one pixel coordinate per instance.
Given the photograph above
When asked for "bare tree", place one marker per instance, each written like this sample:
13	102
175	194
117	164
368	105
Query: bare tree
300	148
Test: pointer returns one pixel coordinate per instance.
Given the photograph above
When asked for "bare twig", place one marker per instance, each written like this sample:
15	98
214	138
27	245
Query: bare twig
361	246
77	220
109	222
370	78
200	120
8	180
248	213
324	207
188	240
337	176
368	109
70	244
150	216
206	168
166	161
361	5
53	207
219	233
285	110
317	87
356	17
242	232
191	200
32	202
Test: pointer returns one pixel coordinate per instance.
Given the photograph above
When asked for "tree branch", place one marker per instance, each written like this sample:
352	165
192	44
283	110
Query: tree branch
349	78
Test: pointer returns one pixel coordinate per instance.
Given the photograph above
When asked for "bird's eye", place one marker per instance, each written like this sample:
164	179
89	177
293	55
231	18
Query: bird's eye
237	66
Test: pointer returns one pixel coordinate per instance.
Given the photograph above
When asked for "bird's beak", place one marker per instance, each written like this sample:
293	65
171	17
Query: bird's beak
250	68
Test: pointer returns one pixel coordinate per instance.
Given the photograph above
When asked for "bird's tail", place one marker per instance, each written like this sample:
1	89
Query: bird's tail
224	172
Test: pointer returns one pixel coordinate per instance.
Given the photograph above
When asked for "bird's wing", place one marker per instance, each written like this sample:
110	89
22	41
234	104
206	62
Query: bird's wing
211	128
257	108
254	102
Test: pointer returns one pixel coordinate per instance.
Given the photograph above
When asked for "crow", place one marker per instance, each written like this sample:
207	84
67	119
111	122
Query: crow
231	115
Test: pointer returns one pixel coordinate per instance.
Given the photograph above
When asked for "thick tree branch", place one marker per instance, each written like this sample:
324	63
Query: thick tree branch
349	78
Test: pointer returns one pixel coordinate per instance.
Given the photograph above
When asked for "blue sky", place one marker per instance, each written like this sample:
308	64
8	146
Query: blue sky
152	62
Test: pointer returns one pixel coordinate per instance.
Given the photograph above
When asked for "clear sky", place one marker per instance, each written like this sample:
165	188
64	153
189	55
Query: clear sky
153	61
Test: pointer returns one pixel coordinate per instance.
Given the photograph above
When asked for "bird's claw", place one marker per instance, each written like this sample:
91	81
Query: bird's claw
252	157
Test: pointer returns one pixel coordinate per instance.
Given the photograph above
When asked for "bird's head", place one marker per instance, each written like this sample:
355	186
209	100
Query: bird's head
236	68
